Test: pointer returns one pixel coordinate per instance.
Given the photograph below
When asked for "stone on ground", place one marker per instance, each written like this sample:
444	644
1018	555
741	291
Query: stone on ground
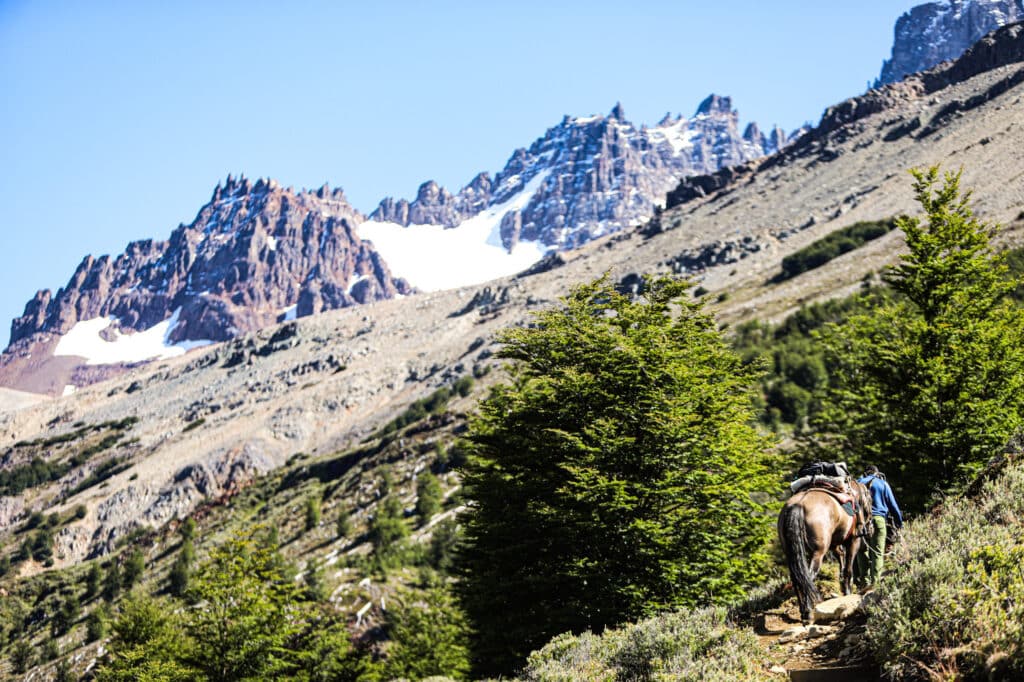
837	608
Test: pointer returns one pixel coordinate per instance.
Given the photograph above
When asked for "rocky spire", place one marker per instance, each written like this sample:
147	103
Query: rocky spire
936	31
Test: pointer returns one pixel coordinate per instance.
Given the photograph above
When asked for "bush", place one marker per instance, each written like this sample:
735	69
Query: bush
686	645
955	601
343	526
831	246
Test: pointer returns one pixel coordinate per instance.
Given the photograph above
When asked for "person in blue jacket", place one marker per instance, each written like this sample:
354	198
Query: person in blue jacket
871	559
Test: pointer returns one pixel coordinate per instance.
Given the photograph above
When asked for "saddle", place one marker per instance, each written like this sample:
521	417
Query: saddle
845	499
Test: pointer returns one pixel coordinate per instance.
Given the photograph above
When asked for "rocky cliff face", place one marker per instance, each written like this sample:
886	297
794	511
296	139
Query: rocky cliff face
255	254
600	174
937	31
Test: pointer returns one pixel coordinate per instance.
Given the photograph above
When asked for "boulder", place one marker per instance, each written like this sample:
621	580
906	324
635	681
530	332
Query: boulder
838	608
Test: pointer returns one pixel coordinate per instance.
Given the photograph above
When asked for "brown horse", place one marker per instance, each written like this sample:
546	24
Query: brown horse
810	524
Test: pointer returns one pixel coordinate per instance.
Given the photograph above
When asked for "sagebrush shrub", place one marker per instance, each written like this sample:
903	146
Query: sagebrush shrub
953	607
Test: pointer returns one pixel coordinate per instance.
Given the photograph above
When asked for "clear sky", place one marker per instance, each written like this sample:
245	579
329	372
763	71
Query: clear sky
117	119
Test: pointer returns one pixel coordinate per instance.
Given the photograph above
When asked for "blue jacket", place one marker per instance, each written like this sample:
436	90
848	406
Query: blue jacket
882	501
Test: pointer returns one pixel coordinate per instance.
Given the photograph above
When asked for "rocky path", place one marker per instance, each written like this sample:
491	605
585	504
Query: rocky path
827	650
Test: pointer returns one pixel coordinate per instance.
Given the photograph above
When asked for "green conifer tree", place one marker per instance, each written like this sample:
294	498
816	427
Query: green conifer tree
112	581
931	385
312	512
22	656
93	580
616	475
134	567
251	613
388	526
428	496
181	570
429	636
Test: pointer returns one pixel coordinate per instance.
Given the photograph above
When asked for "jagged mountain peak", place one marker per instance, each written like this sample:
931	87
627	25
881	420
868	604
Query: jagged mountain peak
600	174
715	105
255	254
934	32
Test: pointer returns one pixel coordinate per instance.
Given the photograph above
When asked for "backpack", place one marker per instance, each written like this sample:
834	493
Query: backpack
834	469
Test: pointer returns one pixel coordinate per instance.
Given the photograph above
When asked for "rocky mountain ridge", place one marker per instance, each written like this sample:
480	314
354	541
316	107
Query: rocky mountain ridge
601	174
256	254
937	31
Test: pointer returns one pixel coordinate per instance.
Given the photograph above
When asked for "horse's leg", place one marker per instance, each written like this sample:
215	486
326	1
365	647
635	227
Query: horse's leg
842	552
851	548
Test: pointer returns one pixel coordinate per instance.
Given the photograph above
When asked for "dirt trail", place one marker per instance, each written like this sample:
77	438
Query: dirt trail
831	652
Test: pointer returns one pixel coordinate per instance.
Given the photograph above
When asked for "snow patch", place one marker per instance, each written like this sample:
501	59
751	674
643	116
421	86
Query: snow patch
356	279
84	340
290	312
272	243
68	390
678	135
432	257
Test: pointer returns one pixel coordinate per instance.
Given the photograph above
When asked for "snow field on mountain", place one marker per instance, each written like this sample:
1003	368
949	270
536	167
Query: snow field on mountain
432	257
84	340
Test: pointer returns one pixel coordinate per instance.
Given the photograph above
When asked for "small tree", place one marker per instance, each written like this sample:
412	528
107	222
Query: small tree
344	524
181	570
134	567
93	580
147	643
96	624
312	512
931	385
617	474
388	526
443	543
67	613
188	528
316	585
429	636
112	582
428	496
22	657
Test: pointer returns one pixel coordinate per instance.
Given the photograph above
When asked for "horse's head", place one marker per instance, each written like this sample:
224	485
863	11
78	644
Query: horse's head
863	507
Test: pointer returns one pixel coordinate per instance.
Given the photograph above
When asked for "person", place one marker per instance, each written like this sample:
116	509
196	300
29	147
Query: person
871	559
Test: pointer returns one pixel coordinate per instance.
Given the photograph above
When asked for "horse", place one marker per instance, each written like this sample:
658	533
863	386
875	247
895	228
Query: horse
811	523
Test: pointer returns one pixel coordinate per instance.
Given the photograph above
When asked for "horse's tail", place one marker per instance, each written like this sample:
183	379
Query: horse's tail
793	533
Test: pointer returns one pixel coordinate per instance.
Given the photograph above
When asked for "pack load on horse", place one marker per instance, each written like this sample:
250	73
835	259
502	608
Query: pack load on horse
828	511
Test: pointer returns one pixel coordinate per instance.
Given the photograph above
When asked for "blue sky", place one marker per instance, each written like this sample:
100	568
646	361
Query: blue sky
117	119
